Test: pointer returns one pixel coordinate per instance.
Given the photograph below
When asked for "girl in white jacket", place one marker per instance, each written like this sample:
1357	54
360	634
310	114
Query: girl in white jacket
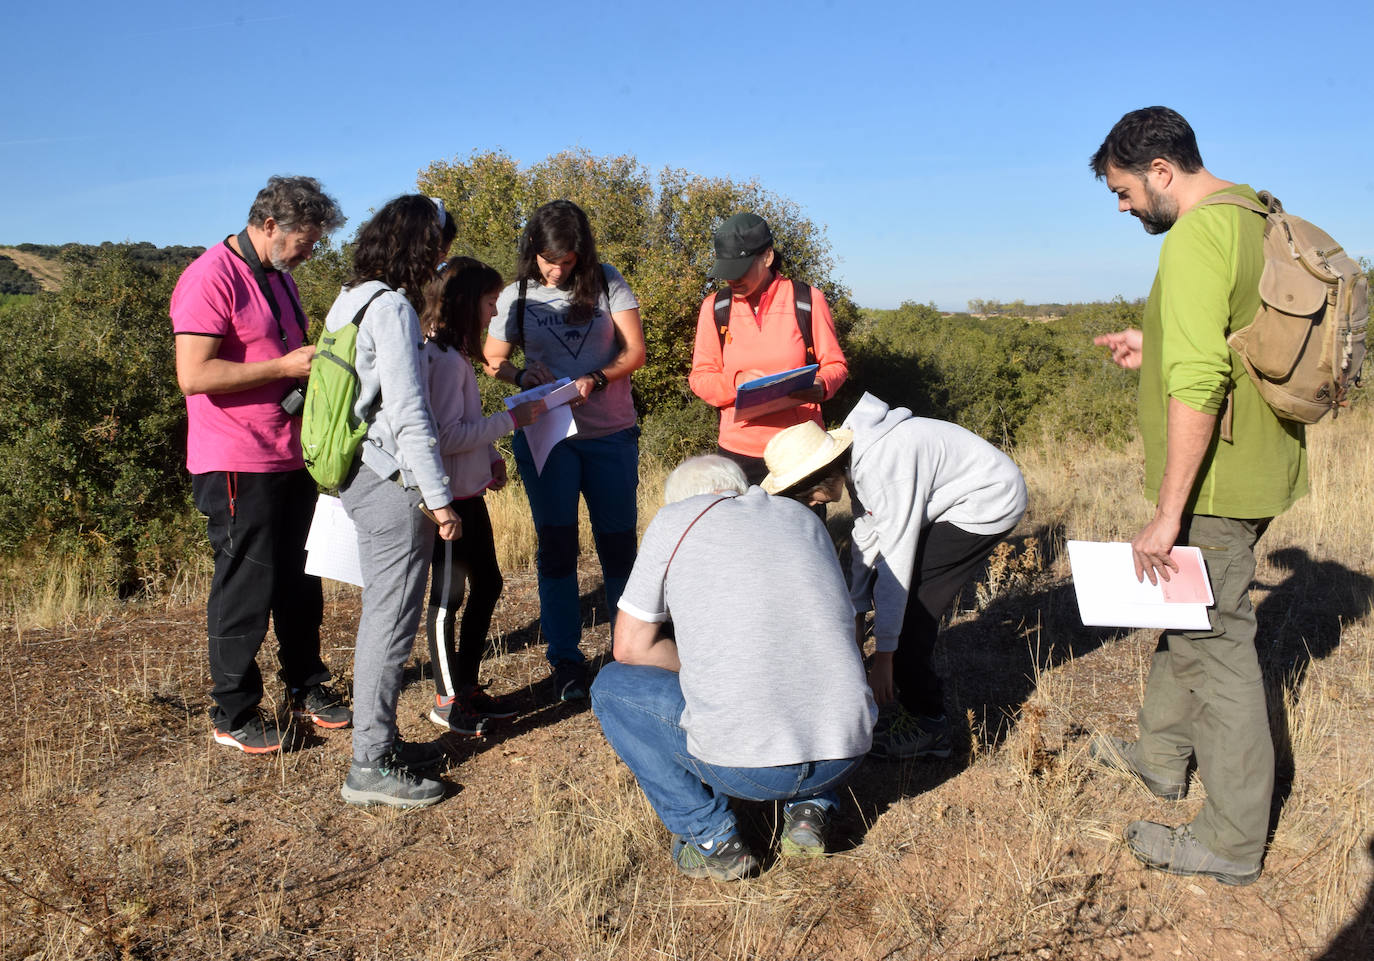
458	305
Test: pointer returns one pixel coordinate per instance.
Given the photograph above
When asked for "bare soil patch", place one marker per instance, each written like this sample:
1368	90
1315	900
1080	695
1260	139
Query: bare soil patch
126	833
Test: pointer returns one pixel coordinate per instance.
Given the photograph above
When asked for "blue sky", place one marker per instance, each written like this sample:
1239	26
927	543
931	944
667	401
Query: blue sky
943	147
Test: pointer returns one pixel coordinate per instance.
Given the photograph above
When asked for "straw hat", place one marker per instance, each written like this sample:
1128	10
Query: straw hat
801	450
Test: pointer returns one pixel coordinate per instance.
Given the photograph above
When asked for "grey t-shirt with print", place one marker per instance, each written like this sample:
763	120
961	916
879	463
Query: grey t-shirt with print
571	350
765	631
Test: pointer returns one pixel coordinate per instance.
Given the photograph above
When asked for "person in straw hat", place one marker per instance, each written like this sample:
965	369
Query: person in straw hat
931	500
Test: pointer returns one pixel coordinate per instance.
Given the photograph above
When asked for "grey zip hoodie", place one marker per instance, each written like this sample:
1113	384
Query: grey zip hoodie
401	436
908	473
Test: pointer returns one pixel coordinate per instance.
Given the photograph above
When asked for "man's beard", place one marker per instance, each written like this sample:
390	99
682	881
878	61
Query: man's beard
1161	214
277	255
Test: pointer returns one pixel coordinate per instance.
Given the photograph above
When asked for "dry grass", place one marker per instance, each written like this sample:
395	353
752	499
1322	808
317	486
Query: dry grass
127	835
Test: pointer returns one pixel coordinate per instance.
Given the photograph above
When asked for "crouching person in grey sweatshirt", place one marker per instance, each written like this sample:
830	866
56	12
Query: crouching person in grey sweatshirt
931	500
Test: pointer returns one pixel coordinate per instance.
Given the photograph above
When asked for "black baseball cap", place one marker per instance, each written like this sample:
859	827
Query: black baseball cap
738	241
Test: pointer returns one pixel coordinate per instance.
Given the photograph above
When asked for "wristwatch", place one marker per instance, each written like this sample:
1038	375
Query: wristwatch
599	380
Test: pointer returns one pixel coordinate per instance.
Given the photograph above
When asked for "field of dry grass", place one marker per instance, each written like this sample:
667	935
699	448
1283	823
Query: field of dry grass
126	834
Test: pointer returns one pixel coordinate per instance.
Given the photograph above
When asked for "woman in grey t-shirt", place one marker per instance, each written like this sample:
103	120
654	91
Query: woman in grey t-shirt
574	317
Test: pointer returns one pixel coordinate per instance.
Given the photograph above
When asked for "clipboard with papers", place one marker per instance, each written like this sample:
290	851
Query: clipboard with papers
768	395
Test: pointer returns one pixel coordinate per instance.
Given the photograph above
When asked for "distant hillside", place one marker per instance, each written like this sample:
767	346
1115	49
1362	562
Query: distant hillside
45	265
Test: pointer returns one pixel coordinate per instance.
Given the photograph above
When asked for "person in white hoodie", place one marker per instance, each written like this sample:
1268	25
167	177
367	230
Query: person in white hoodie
459	302
931	500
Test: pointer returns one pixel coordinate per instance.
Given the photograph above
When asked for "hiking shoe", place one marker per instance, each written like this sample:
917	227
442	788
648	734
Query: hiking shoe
804	827
496	708
424	756
319	705
570	681
388	782
1119	755
1178	851
727	860
901	735
254	737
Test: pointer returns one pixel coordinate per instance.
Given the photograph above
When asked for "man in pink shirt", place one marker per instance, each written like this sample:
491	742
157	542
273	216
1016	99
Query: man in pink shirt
241	358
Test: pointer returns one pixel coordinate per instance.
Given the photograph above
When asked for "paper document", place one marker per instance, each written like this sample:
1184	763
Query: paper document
1110	596
331	547
767	395
553	425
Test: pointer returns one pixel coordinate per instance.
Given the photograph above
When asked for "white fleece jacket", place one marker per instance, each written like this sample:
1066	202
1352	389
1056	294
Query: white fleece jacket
909	473
465	436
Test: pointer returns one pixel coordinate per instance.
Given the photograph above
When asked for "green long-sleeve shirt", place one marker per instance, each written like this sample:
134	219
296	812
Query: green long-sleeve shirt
1207	286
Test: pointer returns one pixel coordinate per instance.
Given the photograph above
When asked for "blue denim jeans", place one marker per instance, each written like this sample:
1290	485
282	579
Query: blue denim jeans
604	470
639	707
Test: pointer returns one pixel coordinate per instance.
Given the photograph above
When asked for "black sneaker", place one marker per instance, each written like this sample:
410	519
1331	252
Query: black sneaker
805	825
319	705
388	782
570	681
496	708
900	735
727	860
254	737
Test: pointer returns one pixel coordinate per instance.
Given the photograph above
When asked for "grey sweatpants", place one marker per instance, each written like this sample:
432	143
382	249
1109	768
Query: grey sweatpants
1205	697
394	545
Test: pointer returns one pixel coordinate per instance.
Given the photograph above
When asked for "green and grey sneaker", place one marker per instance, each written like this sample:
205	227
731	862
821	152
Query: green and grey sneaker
805	825
388	782
901	735
1178	851
727	860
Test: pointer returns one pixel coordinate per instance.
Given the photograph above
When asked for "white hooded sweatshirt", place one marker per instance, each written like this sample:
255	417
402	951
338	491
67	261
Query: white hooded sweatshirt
909	473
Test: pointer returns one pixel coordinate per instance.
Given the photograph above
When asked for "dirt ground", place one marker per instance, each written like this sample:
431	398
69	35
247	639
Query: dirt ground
126	833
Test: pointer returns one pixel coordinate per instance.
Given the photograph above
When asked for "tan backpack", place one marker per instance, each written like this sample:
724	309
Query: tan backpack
1306	345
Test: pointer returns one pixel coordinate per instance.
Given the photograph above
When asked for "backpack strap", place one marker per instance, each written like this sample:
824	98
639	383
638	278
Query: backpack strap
357	320
520	313
1271	202
713	503
801	309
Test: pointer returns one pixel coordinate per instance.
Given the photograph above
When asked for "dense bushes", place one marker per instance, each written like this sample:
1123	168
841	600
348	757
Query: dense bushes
94	425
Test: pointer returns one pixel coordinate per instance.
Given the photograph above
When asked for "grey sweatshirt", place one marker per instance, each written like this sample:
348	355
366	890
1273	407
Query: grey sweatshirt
909	473
401	436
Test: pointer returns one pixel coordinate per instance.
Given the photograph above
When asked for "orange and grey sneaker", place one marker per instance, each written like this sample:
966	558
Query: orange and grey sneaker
254	737
319	705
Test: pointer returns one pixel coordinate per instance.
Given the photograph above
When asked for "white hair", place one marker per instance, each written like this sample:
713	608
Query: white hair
706	474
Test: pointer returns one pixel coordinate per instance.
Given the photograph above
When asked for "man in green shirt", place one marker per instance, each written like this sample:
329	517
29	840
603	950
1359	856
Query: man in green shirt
1220	465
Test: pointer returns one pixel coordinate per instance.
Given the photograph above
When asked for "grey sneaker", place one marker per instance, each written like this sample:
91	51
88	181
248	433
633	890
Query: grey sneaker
388	782
901	735
319	705
727	860
805	825
424	756
1119	755
1177	851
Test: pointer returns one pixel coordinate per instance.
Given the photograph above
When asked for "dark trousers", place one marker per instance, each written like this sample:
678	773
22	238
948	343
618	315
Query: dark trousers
946	558
470	561
257	525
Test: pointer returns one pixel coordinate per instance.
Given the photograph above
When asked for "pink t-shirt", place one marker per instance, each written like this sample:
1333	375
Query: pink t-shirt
246	430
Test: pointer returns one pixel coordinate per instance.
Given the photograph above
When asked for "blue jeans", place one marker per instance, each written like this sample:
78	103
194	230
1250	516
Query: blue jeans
639	707
604	470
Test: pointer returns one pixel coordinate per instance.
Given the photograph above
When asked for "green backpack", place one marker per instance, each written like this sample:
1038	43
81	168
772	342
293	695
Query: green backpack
331	431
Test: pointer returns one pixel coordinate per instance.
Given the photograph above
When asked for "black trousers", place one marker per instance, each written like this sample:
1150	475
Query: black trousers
470	561
947	557
257	525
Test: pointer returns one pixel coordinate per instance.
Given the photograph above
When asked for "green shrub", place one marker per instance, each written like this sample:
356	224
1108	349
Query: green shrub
95	425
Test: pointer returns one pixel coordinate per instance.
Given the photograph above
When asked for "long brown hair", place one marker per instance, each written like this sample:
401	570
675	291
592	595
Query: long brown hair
452	315
399	247
557	229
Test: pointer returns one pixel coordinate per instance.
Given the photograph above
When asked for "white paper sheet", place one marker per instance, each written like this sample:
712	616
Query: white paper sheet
331	547
1110	596
554	424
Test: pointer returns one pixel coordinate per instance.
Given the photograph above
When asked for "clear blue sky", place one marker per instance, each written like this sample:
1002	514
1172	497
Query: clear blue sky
943	147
